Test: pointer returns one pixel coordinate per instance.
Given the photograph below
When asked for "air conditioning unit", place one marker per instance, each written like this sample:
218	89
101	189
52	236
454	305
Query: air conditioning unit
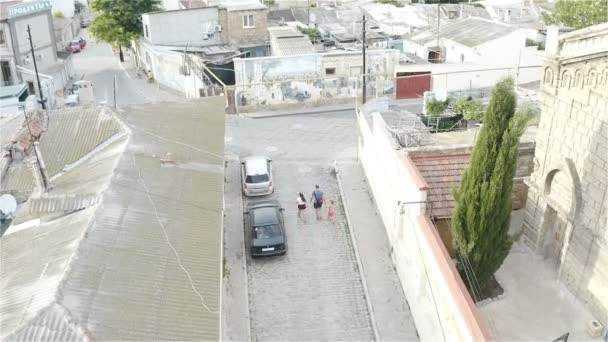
594	328
206	35
218	28
26	61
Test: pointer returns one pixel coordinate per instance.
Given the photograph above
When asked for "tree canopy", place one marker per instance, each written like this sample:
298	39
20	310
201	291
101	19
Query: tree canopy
118	21
483	200
578	14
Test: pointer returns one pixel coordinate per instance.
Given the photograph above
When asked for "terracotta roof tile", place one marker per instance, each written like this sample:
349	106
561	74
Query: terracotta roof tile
442	173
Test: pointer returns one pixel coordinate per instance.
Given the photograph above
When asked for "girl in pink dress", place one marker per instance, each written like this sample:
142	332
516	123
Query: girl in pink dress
331	212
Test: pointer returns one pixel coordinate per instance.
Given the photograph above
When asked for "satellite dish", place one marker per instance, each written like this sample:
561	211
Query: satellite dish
441	94
8	207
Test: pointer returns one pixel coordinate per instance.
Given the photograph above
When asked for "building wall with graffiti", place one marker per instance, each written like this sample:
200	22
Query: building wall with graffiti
311	80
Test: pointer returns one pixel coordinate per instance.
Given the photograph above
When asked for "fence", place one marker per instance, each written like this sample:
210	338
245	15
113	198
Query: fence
319	91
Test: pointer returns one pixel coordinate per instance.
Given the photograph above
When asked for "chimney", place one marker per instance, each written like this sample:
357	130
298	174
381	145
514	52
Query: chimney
507	15
461	10
552	41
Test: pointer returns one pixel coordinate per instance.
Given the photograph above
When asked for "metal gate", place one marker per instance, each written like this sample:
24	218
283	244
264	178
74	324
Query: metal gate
411	85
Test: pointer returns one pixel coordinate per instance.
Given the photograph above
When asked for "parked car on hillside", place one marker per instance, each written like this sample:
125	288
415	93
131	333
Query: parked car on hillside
256	174
85	22
74	46
265	229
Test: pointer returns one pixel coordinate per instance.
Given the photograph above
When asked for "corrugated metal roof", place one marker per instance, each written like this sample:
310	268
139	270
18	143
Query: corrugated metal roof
43	205
469	32
72	134
150	265
241	5
53	324
284	32
288	41
34	261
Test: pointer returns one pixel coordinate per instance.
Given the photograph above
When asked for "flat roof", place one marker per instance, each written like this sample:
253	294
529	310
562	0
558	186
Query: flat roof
12	91
469	32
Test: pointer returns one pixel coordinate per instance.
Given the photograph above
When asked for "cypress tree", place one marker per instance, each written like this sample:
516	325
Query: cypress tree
483	200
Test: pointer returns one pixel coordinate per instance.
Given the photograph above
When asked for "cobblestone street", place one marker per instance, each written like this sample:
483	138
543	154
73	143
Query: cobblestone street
316	291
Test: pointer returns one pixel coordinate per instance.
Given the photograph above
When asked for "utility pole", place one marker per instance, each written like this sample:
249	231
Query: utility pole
42	99
438	19
364	64
308	11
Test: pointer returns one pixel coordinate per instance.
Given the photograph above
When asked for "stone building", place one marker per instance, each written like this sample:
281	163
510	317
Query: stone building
244	24
566	211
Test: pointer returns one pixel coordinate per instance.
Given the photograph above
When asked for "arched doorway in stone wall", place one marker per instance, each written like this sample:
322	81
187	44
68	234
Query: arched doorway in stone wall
561	193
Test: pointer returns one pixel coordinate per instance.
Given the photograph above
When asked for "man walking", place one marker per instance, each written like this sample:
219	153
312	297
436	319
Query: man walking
317	200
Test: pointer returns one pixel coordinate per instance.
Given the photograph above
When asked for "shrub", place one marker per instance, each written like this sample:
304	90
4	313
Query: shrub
58	14
435	107
312	33
395	3
471	110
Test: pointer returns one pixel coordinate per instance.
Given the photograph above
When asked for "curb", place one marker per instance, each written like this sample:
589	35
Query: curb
357	256
238	160
318	110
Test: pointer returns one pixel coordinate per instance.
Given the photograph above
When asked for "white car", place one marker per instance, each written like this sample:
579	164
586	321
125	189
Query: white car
256	175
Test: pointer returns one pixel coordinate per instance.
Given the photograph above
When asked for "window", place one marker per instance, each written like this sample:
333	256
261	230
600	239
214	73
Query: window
252	179
148	59
248	21
330	71
267	231
146	31
6	72
30	87
2	41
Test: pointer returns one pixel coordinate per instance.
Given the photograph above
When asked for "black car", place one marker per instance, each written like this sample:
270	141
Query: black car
265	229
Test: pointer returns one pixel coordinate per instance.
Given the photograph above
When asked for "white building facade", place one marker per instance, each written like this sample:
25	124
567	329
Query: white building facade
16	60
191	27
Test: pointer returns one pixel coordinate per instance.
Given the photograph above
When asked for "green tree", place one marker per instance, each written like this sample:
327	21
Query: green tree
117	22
578	14
483	200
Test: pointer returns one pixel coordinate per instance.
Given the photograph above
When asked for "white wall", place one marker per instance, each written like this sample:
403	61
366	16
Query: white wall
453	77
184	27
505	50
441	307
458	53
43	38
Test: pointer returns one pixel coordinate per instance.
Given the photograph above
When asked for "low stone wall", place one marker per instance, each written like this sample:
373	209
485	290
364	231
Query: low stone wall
291	94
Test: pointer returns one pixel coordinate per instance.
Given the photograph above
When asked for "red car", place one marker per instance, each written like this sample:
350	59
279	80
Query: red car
74	46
